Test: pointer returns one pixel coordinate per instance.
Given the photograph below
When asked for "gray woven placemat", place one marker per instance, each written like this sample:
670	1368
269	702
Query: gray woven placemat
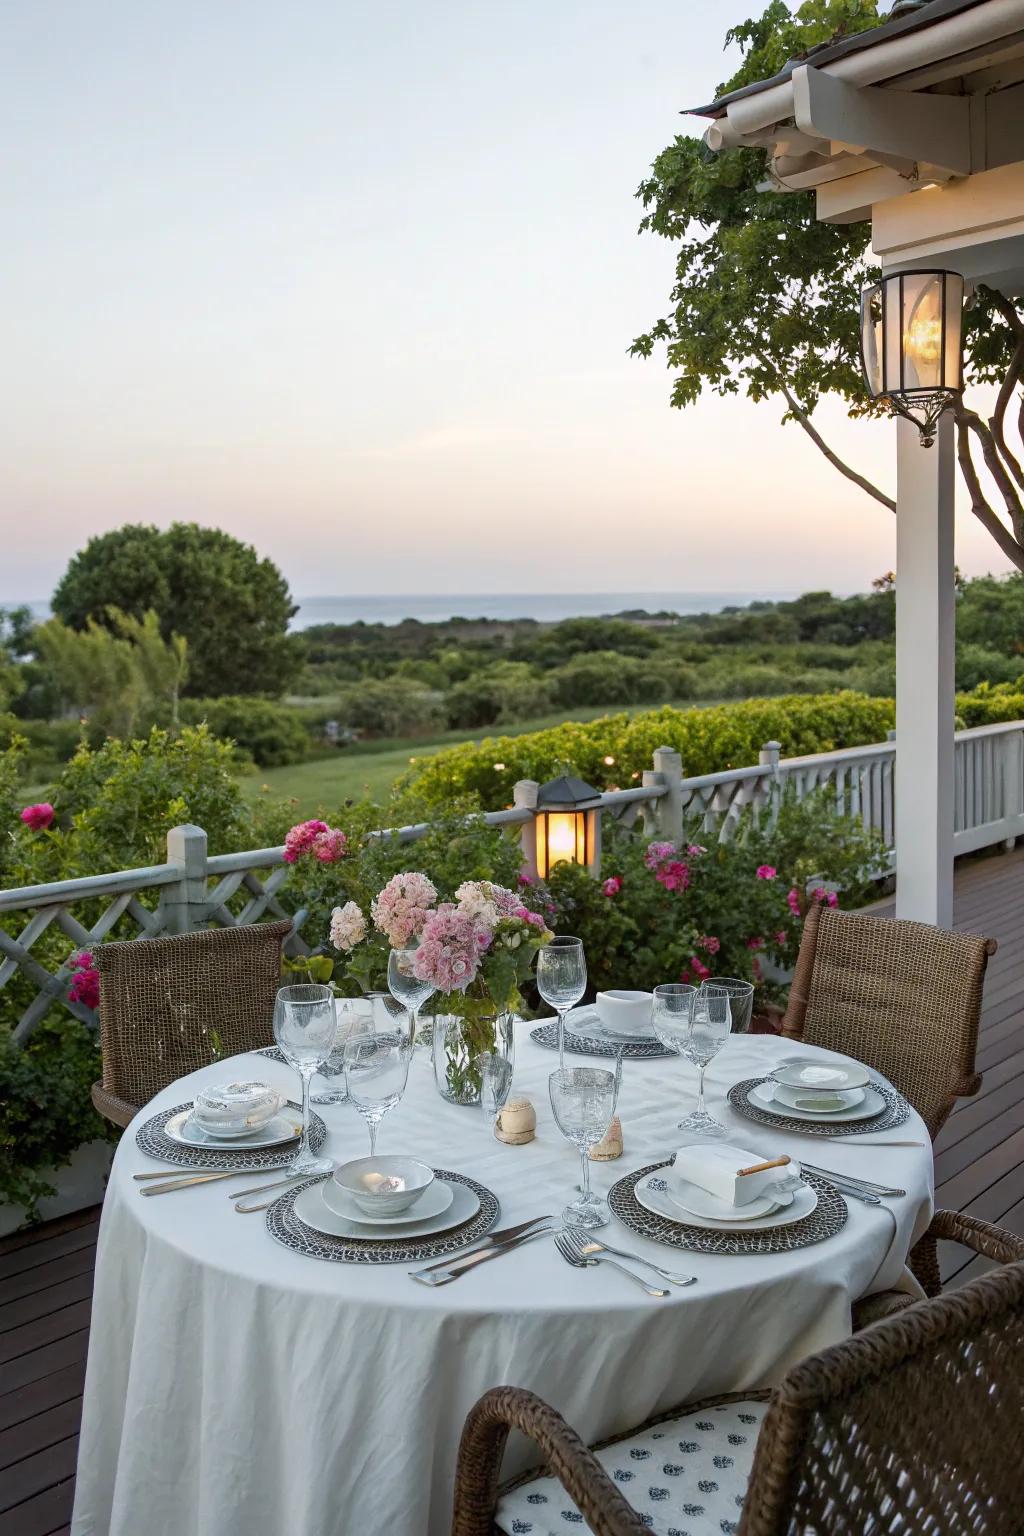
583	1045
152	1139
896	1111
285	1226
828	1217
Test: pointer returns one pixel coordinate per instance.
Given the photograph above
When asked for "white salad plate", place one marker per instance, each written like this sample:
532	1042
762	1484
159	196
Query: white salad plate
286	1126
435	1199
660	1203
697	1201
585	1022
311	1208
817	1076
762	1096
820	1102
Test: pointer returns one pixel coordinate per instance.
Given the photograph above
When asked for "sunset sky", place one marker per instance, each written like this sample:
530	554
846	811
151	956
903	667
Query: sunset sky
356	283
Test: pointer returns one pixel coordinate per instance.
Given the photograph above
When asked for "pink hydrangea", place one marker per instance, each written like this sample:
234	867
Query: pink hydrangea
38	817
766	872
85	983
613	885
450	947
533	918
401	909
793	901
829	898
348	926
674	876
658	853
695	850
301	838
329	846
709	943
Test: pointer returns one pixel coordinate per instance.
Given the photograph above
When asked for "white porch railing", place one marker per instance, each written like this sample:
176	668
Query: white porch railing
194	890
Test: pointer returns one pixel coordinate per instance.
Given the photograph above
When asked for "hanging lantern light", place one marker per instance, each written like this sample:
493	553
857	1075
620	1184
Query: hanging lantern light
567	824
910	340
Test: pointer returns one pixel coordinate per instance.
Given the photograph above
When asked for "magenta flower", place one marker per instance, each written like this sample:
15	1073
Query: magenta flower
780	937
38	817
695	850
329	846
301	838
699	969
755	944
658	853
85	983
533	918
674	876
829	898
612	886
709	944
766	871
793	901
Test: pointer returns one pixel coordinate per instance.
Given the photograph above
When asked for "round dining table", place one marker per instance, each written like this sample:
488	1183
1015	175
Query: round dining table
238	1388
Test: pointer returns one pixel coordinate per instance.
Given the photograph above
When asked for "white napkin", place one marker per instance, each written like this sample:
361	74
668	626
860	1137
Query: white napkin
715	1166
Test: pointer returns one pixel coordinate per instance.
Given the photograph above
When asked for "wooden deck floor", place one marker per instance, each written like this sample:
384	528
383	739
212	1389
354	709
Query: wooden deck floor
46	1275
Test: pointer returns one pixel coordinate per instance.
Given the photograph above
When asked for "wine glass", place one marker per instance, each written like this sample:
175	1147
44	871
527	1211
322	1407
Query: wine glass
583	1102
406	987
709	1030
376	1071
672	1015
304	1028
353	1016
495	1082
562	980
741	999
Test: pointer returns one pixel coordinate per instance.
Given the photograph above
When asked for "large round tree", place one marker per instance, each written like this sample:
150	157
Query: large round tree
230	605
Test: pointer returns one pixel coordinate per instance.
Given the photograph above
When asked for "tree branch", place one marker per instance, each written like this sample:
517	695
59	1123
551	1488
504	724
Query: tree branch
979	506
816	438
997	470
997	419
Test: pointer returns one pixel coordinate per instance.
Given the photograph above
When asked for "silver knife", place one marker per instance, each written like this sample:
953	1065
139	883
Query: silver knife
485	1245
437	1276
850	1178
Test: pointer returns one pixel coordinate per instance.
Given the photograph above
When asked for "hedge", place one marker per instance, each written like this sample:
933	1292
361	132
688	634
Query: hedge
724	736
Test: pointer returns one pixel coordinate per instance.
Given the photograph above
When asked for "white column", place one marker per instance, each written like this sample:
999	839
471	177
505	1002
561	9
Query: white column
925	620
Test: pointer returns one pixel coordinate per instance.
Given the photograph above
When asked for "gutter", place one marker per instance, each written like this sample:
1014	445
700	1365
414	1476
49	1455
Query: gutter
747	119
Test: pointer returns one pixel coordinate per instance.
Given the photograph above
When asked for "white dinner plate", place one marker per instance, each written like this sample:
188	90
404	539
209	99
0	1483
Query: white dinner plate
286	1126
821	1102
696	1201
585	1022
822	1076
311	1209
761	1095
437	1197
658	1202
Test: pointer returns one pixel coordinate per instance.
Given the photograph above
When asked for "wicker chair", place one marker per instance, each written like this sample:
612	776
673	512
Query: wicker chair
903	997
169	1006
909	1426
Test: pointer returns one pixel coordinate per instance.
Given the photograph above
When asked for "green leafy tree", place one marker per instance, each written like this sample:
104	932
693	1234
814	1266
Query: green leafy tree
231	606
118	674
764	300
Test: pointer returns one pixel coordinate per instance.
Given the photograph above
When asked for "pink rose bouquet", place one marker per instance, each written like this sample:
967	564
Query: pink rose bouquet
401	909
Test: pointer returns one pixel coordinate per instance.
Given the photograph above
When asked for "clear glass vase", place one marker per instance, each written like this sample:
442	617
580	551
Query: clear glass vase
458	1041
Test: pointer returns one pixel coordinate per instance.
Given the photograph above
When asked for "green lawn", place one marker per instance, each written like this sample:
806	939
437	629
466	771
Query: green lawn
368	770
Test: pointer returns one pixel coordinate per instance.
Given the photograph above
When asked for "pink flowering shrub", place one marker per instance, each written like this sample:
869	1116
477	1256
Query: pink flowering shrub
38	817
317	839
613	885
84	986
766	872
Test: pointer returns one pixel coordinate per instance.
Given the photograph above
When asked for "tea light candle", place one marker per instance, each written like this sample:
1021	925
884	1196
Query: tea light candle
516	1123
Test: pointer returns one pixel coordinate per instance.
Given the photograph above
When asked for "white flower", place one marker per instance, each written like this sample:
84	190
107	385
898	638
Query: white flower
475	903
348	926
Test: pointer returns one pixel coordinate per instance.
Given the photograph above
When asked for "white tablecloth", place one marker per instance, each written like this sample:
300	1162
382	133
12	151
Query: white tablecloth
238	1389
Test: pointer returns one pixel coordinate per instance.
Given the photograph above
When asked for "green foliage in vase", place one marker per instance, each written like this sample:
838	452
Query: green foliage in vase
231	606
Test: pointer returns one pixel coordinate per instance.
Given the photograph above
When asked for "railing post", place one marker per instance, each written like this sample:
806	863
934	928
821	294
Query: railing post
666	818
1013	783
768	757
184	904
524	794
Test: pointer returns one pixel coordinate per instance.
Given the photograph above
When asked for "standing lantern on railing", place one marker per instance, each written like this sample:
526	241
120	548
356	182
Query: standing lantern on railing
910	338
567	824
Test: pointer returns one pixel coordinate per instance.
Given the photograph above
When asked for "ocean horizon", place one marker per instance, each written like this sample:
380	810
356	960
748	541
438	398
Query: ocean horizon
545	607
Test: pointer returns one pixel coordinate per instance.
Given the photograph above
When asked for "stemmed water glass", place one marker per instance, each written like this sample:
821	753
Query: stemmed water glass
406	987
741	999
495	1082
376	1071
672	1015
583	1102
354	1016
562	980
304	1028
709	1030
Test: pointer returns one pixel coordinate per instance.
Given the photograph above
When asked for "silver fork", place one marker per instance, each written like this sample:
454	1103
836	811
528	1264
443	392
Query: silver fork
565	1247
590	1248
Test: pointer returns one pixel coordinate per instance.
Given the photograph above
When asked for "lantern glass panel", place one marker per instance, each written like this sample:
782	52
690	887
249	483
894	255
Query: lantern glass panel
953	377
560	836
871	337
923	340
892	337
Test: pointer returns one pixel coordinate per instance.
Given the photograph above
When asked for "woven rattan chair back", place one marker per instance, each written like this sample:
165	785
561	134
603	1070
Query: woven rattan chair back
902	997
910	1426
171	1005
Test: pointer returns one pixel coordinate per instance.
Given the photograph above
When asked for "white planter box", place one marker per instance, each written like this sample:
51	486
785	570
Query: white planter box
80	1184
